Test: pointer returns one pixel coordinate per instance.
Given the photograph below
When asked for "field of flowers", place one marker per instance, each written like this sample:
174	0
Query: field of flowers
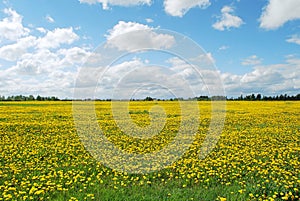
256	158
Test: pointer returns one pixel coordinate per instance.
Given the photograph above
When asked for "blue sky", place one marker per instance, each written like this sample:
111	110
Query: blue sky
254	44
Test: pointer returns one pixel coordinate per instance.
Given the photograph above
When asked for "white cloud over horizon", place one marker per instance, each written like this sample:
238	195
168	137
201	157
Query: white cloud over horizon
266	79
47	63
278	12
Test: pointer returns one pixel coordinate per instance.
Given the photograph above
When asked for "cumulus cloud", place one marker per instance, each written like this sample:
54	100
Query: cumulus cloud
125	27
278	12
251	61
141	36
227	19
48	63
13	52
44	72
11	27
53	39
58	36
73	55
37	64
107	3
180	8
203	79
130	79
294	39
43	61
269	80
205	59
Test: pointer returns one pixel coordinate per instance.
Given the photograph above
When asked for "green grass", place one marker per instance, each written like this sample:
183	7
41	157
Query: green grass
158	191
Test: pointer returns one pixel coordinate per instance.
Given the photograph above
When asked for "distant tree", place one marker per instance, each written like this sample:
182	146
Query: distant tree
31	98
217	98
53	98
38	98
281	97
240	97
148	98
258	97
200	98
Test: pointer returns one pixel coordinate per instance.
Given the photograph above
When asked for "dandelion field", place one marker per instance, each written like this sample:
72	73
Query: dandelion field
256	158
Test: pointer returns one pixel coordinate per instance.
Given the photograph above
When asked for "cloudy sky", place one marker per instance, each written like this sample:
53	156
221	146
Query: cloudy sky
45	44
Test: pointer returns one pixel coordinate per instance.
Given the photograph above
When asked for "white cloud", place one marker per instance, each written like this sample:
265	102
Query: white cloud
125	27
294	39
149	20
210	57
49	19
227	19
268	80
44	64
180	8
105	79
14	51
251	61
43	72
131	79
11	27
278	12
206	59
43	61
58	36
223	47
74	55
203	79
107	3
141	36
47	63
41	29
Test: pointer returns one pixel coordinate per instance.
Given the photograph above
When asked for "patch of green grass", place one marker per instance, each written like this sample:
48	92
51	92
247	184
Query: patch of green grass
157	191
139	112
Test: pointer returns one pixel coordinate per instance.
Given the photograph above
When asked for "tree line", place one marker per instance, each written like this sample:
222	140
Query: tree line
28	98
258	97
252	97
